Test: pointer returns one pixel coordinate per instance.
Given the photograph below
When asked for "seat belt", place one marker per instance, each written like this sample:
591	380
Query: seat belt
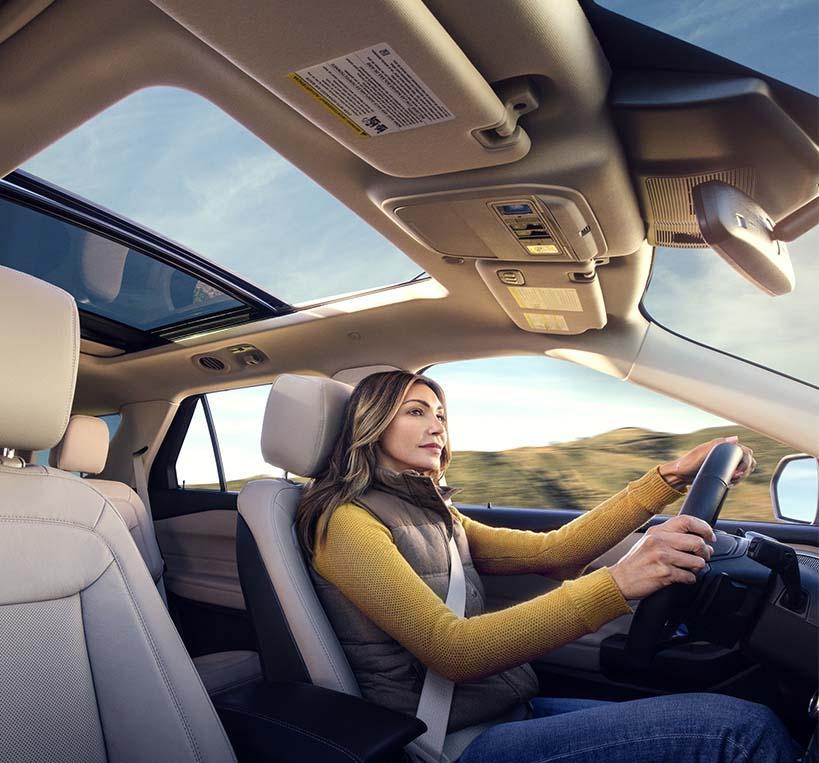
141	486
436	693
140	480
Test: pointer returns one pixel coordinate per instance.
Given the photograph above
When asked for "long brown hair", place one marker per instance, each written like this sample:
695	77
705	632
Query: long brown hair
354	458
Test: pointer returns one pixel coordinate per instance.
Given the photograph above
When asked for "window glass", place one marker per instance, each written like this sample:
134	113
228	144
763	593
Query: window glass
105	278
223	193
196	463
778	39
544	433
237	418
730	314
112	421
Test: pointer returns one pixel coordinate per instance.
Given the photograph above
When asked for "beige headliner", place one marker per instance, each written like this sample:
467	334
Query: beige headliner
76	58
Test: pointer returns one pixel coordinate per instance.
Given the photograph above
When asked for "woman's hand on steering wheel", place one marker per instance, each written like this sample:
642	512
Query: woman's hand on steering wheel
668	553
682	471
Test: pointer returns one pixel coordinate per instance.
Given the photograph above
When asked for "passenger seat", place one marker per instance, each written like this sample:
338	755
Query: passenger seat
84	448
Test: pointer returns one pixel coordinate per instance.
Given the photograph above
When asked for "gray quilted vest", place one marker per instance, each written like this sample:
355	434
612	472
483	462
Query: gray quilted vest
415	511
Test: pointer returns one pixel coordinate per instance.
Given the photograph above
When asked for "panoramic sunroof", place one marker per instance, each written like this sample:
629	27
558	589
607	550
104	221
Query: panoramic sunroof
107	278
173	162
778	39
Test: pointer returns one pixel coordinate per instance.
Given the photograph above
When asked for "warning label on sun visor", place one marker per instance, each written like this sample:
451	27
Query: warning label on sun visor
374	91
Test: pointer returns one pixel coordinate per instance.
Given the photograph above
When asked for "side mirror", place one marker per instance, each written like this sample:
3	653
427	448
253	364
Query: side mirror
795	489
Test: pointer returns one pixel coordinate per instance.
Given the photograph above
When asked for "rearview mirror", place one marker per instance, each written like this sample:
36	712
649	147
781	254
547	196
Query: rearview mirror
740	232
795	489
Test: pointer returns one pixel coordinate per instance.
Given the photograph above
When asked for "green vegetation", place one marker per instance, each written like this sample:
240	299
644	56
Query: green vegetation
582	473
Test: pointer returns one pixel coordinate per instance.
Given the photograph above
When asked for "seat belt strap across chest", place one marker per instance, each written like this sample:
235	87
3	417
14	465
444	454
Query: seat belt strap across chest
436	693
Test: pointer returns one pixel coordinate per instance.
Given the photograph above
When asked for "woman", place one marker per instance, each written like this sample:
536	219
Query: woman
376	524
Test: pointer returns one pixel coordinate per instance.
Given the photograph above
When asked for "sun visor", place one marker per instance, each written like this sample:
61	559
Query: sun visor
547	298
384	79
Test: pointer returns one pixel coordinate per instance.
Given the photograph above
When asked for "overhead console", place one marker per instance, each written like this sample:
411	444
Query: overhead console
536	247
528	223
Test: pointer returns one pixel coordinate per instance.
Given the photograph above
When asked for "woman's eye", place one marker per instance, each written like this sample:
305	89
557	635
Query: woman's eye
441	418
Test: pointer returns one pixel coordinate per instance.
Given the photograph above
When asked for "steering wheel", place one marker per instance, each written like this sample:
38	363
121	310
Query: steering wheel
704	500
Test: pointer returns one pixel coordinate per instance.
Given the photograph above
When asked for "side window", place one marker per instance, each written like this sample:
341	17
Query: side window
196	463
237	421
544	433
221	449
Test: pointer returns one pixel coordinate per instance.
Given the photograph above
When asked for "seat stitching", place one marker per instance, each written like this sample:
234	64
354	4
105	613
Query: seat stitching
306	609
312	735
56	474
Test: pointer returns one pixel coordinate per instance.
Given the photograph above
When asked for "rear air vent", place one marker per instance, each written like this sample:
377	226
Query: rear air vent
209	363
671	217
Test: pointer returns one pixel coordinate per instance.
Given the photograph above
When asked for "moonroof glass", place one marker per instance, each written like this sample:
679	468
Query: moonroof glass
173	162
106	278
779	39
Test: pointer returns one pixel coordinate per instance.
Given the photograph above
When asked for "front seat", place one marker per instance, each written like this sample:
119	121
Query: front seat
84	448
301	424
91	666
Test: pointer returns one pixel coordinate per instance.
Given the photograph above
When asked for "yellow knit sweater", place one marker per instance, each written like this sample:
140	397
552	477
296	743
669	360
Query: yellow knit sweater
360	558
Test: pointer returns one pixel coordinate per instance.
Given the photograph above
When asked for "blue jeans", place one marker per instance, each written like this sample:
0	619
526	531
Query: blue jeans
678	728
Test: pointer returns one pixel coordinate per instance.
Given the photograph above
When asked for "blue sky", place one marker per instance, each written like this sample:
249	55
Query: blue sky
175	163
776	37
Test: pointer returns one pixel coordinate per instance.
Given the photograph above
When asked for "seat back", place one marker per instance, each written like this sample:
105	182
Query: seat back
84	448
91	666
296	640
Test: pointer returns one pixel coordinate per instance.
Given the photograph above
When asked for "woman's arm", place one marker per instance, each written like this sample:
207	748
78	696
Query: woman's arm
360	558
564	553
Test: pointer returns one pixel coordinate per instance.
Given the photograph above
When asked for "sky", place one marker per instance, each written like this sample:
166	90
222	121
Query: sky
175	163
776	37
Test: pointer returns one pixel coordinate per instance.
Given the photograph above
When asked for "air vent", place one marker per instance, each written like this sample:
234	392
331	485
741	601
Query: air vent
809	561
672	221
209	363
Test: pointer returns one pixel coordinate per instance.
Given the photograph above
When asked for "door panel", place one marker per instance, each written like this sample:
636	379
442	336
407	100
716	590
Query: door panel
200	557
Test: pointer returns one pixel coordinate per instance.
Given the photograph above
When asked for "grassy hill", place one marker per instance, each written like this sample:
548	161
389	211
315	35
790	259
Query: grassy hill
582	473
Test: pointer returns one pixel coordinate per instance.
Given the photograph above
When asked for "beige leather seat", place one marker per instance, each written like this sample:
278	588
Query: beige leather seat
91	666
84	448
296	639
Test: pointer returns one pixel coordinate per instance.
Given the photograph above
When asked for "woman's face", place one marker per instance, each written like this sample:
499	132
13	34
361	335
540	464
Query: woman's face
417	435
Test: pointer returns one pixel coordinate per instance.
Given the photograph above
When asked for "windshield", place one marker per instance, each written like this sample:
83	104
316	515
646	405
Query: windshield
173	162
695	293
779	39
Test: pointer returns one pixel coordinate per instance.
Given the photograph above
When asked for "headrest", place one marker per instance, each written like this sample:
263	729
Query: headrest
38	361
84	447
302	422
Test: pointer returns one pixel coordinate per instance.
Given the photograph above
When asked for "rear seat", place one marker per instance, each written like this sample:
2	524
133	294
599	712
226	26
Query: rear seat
84	448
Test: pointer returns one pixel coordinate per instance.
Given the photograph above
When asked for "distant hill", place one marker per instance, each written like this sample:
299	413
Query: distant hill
582	473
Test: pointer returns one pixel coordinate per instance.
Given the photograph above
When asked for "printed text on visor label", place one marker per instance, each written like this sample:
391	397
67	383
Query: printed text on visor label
374	91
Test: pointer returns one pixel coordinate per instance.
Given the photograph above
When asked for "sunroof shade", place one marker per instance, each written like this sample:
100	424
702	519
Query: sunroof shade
173	162
106	278
778	39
